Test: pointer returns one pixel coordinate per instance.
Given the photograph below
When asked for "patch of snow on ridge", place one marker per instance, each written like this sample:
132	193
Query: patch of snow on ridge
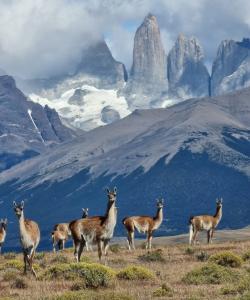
82	107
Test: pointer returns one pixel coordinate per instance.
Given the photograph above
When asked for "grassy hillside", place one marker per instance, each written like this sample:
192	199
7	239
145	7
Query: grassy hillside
168	272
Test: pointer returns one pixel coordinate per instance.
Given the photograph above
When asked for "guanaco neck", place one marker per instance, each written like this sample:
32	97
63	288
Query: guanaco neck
218	214
22	224
111	214
159	215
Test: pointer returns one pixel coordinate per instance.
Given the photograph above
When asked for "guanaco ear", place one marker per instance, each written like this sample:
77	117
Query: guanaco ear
6	221
108	191
86	209
115	189
22	204
221	200
14	204
162	201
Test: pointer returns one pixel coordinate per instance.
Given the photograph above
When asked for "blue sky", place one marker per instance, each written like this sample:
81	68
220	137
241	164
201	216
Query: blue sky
41	38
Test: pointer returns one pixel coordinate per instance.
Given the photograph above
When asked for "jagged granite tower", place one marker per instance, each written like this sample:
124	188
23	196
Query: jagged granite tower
148	78
187	75
231	67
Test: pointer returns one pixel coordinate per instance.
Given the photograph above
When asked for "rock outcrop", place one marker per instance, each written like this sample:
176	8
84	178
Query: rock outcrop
187	75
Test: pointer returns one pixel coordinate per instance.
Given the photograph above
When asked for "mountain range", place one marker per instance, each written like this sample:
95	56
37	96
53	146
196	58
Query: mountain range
189	154
156	79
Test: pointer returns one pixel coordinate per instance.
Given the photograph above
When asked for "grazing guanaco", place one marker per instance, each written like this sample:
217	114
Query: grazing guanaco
143	224
61	232
3	224
95	230
205	222
29	236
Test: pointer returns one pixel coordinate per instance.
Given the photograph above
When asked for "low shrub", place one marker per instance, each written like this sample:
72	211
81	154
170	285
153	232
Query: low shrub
40	255
9	255
9	275
93	275
61	259
86	295
163	291
115	248
154	256
211	273
19	283
14	264
189	251
246	256
202	256
242	286
135	273
245	297
227	259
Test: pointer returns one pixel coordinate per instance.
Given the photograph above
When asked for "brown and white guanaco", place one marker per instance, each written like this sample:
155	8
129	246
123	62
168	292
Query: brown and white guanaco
95	230
205	222
3	227
29	236
61	232
143	224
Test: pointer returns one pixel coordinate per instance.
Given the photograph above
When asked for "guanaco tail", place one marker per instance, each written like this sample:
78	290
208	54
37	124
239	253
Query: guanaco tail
61	233
143	224
95	230
3	227
205	222
29	236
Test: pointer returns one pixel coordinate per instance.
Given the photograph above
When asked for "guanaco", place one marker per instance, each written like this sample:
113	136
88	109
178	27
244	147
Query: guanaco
3	227
95	230
61	232
144	224
29	236
205	222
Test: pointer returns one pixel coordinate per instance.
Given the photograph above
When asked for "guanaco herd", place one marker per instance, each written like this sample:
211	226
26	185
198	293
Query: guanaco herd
98	230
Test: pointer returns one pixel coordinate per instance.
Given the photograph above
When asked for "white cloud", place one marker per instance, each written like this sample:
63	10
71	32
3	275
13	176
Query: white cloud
43	37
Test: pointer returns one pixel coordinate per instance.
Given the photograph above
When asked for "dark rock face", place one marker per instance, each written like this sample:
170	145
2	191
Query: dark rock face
231	67
109	115
78	97
148	73
188	77
26	128
98	61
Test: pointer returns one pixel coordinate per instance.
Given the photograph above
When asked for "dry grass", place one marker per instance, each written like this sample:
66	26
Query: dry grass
169	268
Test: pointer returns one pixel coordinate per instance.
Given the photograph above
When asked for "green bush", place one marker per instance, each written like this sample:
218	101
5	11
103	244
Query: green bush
246	256
163	291
189	251
227	259
93	275
14	264
86	295
210	274
242	286
154	256
135	273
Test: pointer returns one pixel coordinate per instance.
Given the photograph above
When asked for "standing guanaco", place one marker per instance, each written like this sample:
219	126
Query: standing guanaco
205	222
95	230
61	232
29	236
144	224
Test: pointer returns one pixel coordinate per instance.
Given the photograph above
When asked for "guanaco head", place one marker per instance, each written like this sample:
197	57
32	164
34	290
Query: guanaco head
219	202
160	203
85	213
3	223
18	208
112	195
